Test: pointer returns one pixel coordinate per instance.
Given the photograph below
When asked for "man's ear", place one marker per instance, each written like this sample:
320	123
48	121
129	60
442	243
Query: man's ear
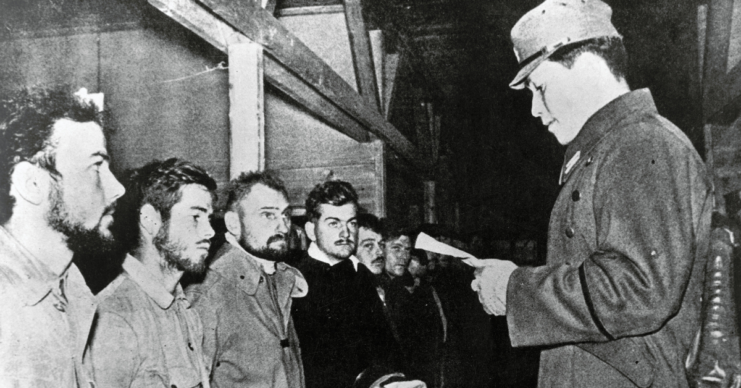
310	232
30	182
231	220
150	219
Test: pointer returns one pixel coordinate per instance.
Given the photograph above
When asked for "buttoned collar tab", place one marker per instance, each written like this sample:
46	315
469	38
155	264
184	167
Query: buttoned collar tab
601	123
151	285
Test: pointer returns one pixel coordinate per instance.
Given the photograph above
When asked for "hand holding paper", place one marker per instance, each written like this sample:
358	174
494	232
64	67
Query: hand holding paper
492	275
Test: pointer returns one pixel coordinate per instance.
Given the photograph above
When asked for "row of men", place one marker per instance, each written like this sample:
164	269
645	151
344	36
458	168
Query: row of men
250	319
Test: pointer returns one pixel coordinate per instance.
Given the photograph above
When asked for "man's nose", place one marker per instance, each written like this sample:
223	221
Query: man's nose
283	225
538	107
113	188
207	230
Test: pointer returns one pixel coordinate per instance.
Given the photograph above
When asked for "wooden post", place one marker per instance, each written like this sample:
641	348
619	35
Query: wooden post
246	109
430	209
380	185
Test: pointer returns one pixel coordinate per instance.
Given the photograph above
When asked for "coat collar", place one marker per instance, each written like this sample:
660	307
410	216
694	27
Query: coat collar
601	123
150	284
243	269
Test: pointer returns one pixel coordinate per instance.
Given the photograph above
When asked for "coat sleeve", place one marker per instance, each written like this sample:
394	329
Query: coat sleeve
114	352
649	195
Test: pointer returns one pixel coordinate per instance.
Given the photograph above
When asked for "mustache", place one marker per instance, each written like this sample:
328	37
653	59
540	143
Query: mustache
344	242
206	242
110	209
276	238
378	259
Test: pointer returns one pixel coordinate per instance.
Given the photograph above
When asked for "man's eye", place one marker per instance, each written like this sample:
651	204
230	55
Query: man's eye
333	224
269	216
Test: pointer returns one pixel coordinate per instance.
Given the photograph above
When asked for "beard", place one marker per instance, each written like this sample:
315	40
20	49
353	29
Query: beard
173	250
79	239
266	252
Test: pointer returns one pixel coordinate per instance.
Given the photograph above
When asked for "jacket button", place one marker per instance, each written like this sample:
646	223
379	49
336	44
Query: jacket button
589	160
569	232
575	196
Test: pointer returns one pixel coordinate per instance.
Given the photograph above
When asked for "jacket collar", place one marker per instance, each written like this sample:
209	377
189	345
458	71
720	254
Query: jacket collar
243	269
150	284
267	265
601	123
317	254
39	279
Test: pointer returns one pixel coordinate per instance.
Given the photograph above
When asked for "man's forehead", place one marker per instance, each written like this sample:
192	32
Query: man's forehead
261	196
195	197
366	233
401	240
79	139
344	212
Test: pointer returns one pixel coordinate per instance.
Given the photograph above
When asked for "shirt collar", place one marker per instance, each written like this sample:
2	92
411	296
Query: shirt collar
151	285
39	279
317	254
601	123
267	266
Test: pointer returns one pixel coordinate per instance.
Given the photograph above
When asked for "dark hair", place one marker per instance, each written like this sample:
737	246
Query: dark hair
158	184
27	119
609	48
391	233
335	193
369	221
238	188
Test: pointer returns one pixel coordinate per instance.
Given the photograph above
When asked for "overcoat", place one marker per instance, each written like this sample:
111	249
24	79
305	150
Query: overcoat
249	338
618	302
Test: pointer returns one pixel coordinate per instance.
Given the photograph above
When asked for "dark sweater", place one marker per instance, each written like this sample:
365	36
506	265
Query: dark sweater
341	325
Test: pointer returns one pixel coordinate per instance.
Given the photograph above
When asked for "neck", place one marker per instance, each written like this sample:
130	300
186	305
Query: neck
151	258
608	93
43	242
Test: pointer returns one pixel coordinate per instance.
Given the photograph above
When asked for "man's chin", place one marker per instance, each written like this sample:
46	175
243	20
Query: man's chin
90	242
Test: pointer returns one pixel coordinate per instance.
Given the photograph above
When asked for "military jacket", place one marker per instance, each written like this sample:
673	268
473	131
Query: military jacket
618	301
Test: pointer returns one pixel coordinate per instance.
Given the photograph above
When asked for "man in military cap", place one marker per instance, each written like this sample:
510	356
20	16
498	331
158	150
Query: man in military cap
618	302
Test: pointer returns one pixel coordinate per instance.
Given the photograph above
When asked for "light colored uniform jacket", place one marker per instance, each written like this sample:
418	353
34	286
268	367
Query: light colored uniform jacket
250	340
45	320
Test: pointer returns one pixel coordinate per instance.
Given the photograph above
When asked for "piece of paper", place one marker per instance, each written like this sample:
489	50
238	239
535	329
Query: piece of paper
427	243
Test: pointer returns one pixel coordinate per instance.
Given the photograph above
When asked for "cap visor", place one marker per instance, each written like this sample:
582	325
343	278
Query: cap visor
519	82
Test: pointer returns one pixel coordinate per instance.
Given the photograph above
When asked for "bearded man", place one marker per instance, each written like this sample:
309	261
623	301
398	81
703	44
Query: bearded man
57	196
246	296
147	335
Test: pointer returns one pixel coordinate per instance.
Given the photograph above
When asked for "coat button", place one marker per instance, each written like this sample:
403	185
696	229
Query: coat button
575	196
589	160
569	232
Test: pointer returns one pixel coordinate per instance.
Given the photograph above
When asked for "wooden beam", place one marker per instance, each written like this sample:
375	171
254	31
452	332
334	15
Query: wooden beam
246	109
378	52
280	77
222	35
365	73
390	67
263	28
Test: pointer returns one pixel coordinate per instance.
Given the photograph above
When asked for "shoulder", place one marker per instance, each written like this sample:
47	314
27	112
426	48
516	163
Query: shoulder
121	297
647	134
209	288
